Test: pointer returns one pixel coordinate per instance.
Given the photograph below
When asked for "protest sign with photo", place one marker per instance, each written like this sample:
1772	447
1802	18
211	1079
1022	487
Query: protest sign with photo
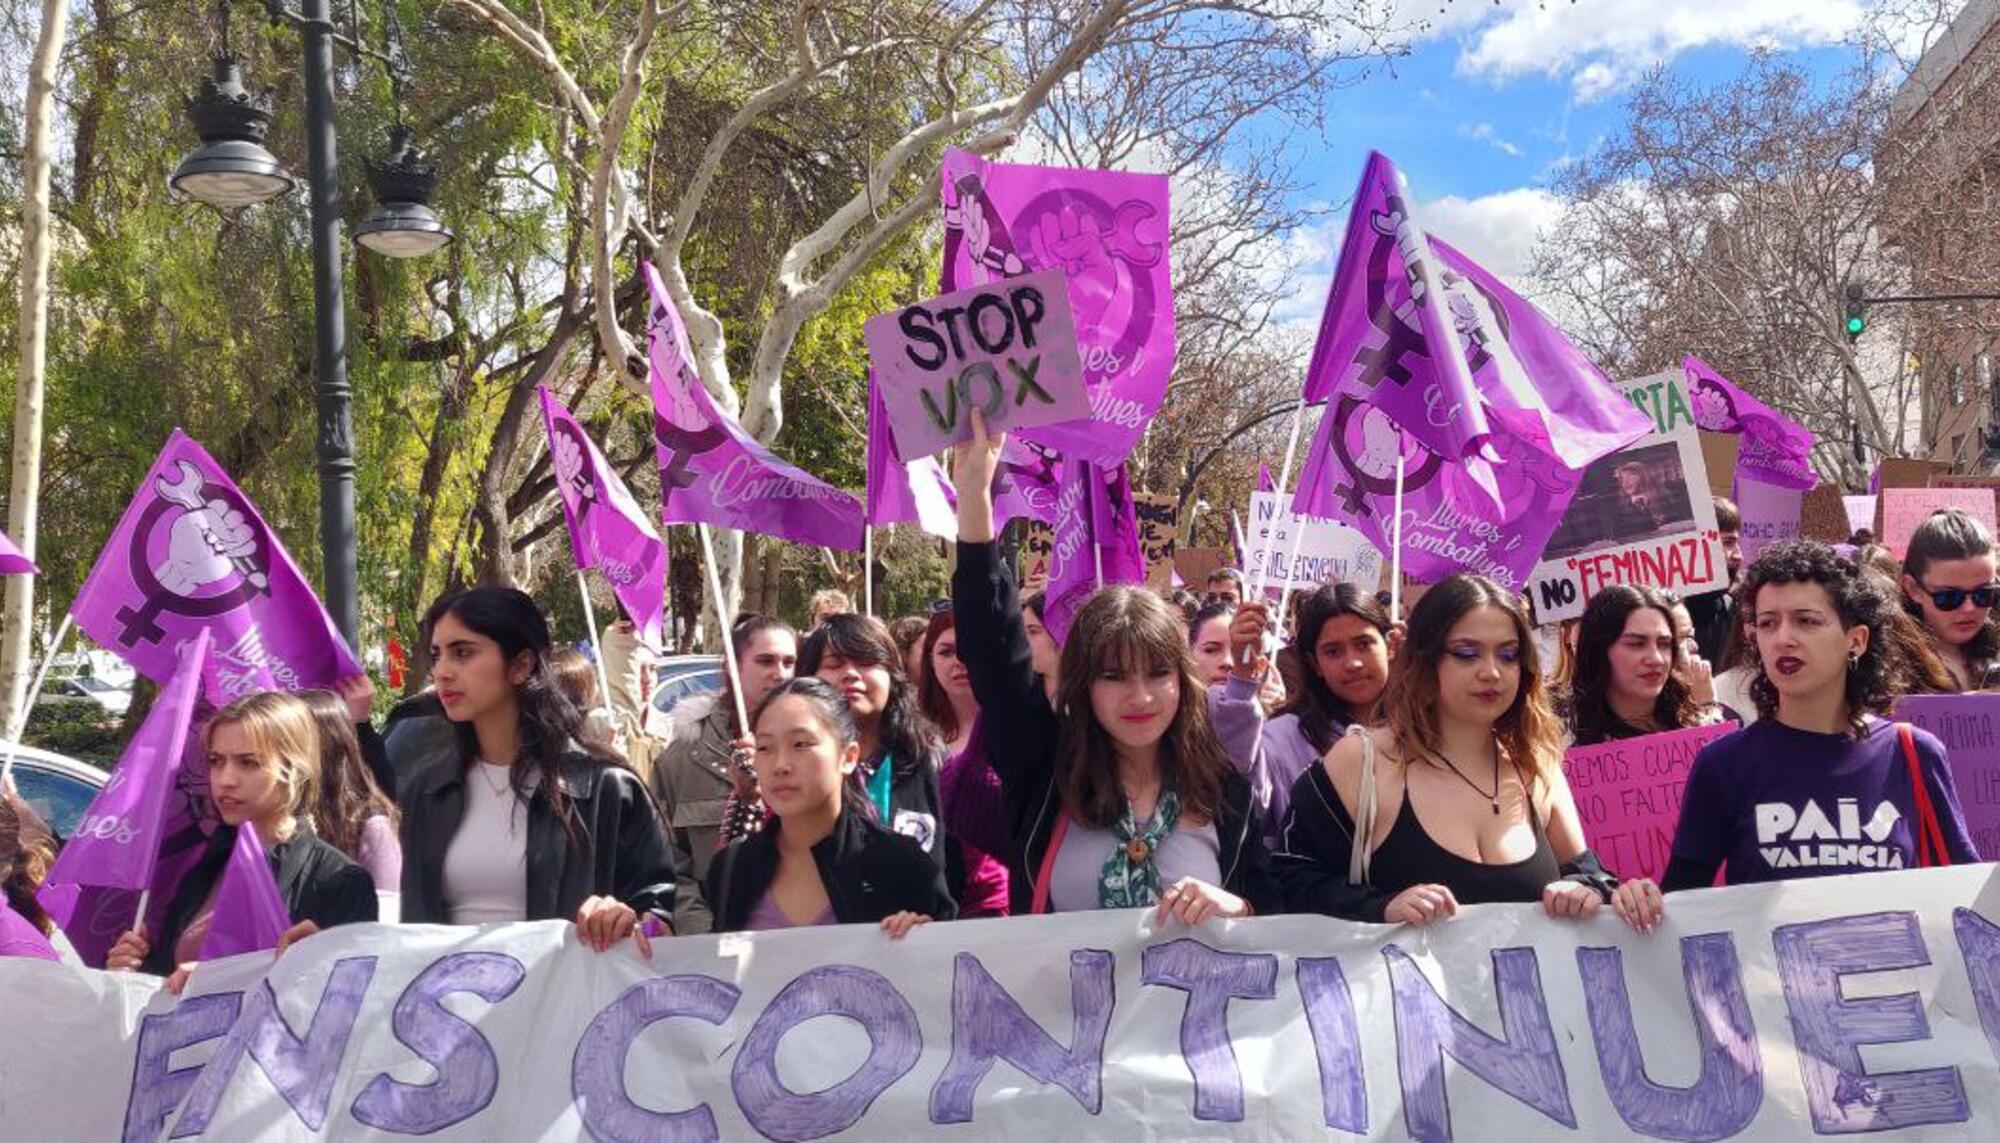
1038	551
1328	551
1903	509
1157	533
1640	515
1006	348
1628	795
1969	727
1770	515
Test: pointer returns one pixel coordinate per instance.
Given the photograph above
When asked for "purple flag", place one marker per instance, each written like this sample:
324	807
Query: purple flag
192	554
607	528
14	561
1264	481
712	472
1094	519
249	913
143	830
1774	450
898	493
1107	232
1027	484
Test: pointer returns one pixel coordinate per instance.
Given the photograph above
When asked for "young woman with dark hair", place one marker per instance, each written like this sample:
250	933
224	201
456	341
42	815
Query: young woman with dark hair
1044	653
1208	641
27	849
824	859
975	814
351	813
1625	682
909	632
1950	584
1459	796
900	751
1821	784
527	823
1127	798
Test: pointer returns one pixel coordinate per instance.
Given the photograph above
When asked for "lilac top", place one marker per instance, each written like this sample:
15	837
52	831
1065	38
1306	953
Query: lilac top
766	916
1770	803
1270	754
20	938
381	854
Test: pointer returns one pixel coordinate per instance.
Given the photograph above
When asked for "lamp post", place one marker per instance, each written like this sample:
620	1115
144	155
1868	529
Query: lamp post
232	170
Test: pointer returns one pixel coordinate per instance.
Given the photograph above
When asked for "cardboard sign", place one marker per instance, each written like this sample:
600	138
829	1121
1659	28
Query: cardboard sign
1157	533
1628	795
1327	550
1038	551
1903	509
1969	727
1007	348
1643	514
1770	515
1195	564
1823	516
1719	452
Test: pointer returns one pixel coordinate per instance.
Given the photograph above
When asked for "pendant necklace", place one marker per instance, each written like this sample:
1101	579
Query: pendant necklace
1492	798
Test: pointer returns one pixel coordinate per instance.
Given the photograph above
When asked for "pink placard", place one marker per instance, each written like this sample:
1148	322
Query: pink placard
1969	727
1628	795
1905	508
1007	348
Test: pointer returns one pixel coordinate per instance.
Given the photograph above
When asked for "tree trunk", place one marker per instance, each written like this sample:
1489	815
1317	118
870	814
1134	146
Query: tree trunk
24	491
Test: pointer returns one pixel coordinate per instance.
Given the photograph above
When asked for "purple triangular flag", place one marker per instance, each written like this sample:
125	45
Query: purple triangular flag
249	913
1107	232
712	472
608	530
14	561
193	554
1774	450
141	827
1094	519
919	492
1264	481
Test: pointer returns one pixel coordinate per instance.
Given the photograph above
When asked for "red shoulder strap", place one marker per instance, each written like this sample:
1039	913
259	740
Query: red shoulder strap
1931	850
1041	902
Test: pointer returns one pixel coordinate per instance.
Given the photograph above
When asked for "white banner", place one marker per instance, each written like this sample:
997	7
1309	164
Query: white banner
1329	551
1846	1005
1643	515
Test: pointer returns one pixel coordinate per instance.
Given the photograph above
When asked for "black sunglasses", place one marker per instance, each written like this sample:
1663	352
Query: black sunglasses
940	606
1953	598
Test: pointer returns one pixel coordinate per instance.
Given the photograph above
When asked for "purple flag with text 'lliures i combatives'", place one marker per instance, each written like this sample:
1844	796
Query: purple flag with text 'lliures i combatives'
1095	526
608	530
144	830
1774	450
192	554
712	472
1487	469
1107	232
918	492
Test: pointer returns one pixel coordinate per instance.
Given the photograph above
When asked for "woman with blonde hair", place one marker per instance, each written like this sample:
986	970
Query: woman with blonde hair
263	764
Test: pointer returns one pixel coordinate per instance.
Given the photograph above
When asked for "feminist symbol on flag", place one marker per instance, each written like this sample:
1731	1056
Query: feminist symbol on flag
1366	442
682	432
568	449
1401	324
210	542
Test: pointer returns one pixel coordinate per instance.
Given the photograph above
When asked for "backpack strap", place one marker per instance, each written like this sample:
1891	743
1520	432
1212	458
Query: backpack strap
1931	850
1048	870
1364	810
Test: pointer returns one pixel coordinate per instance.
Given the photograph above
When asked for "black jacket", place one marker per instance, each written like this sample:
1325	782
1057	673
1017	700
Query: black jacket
624	849
1020	732
916	810
870	872
317	882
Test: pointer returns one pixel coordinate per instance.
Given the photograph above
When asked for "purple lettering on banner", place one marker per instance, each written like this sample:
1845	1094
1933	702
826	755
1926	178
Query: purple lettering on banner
1829	1029
1979	944
156	1090
895	1040
1525	1064
1343	1081
1211	978
1725	1097
597	1070
468	1071
302	1069
987	1026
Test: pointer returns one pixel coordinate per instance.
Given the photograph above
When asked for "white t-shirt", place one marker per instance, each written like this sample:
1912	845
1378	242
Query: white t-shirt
486	864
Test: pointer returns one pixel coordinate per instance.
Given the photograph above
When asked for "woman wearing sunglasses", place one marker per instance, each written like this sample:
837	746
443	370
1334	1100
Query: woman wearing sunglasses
1949	586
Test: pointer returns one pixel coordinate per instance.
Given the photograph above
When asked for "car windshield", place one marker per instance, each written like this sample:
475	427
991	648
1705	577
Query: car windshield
60	799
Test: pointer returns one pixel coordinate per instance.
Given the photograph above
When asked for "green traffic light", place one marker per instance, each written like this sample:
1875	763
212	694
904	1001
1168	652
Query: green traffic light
1855	325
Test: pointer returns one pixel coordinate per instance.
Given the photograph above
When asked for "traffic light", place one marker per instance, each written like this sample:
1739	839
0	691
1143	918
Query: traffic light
1857	312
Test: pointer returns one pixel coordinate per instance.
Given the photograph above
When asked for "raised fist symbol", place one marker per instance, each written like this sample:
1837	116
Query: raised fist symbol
205	545
682	409
1381	444
568	455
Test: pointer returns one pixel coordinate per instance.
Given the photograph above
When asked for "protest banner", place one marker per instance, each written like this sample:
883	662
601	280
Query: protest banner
1157	533
1006	348
1628	795
1823	516
1327	551
1860	512
1757	1012
1903	509
1969	727
1038	546
1770	515
1641	515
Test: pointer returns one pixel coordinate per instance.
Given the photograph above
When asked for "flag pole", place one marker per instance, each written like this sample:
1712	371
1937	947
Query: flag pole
867	570
139	915
1396	538
722	621
20	726
596	647
1291	559
1284	482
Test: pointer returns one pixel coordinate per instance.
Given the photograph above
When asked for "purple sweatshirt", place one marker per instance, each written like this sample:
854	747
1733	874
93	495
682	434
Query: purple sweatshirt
1271	754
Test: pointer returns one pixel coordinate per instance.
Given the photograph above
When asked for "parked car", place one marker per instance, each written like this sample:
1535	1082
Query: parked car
59	788
113	698
676	680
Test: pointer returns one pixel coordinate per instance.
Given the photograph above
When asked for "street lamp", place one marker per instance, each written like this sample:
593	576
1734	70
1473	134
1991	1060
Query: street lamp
231	170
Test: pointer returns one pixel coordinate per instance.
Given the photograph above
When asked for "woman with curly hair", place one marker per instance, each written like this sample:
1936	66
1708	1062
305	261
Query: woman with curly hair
1950	583
1821	784
1626	682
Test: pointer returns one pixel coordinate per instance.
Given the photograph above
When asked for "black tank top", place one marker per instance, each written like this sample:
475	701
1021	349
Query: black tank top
1409	857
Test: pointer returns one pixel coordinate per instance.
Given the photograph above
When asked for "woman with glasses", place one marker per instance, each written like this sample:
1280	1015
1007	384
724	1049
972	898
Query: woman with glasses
1949	586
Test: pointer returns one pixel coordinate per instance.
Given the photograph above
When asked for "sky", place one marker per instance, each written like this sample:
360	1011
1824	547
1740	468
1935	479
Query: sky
1496	98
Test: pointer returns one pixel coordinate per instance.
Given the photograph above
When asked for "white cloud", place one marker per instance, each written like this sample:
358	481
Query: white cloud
1485	133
